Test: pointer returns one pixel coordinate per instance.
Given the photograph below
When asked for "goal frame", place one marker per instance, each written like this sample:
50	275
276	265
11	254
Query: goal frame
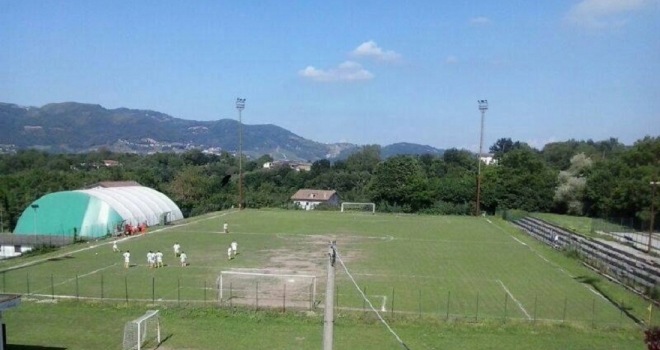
373	206
140	326
221	282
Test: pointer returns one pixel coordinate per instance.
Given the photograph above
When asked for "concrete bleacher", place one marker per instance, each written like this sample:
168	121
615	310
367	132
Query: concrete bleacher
624	263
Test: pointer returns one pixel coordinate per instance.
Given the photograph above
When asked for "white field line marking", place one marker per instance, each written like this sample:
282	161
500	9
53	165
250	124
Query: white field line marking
539	254
597	293
520	305
38	261
74	278
517	240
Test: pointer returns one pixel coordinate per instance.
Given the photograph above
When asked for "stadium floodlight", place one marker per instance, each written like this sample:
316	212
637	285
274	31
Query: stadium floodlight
653	185
483	107
240	105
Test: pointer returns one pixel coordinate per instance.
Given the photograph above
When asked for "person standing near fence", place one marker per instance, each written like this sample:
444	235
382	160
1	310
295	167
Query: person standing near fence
127	259
225	228
150	259
114	247
177	249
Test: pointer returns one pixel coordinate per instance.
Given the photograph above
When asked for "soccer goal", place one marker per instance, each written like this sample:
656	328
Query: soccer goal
361	207
266	290
143	331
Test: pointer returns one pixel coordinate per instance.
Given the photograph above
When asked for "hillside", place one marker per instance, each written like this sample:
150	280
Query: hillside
72	127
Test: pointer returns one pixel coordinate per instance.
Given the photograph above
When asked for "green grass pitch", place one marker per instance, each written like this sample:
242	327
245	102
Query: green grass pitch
422	268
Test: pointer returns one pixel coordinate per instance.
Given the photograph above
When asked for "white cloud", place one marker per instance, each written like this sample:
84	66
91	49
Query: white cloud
348	71
480	21
370	49
451	60
604	13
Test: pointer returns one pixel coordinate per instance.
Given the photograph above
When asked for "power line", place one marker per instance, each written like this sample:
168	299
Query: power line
369	302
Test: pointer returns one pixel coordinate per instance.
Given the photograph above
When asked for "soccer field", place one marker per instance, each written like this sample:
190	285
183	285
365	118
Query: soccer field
446	267
430	269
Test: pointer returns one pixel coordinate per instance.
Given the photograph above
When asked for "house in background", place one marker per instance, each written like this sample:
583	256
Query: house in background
308	199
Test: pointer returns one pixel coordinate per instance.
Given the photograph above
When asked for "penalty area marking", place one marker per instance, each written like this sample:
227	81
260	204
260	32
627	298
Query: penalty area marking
520	305
77	277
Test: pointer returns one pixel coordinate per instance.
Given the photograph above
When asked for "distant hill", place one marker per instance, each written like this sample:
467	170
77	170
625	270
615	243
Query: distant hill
72	127
408	148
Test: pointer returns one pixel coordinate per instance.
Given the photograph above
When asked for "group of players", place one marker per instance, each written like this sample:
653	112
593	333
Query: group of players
155	260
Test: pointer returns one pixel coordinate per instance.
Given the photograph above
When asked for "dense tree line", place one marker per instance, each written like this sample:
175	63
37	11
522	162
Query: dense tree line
599	179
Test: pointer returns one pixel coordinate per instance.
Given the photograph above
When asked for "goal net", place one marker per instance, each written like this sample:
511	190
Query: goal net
143	331
266	290
358	207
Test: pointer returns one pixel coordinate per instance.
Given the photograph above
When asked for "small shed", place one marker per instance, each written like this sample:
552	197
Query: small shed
308	199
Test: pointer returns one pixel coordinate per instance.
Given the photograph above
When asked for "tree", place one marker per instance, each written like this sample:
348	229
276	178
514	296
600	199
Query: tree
521	180
570	191
365	160
400	181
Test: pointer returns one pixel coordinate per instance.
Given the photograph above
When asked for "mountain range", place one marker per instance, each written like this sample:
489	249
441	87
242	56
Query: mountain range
72	127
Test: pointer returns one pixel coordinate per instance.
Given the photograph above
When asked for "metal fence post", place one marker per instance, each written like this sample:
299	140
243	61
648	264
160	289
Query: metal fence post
535	300
392	303
28	283
506	300
52	287
420	303
153	289
256	305
476	316
126	288
204	292
178	291
77	289
284	299
101	286
364	302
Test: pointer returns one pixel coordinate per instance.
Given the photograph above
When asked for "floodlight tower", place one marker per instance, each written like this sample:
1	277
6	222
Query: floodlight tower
240	105
483	107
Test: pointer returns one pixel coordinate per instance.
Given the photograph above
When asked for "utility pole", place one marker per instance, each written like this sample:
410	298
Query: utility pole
653	185
483	107
329	316
240	105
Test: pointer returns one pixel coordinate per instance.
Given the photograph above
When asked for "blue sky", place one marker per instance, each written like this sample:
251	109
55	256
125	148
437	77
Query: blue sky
350	71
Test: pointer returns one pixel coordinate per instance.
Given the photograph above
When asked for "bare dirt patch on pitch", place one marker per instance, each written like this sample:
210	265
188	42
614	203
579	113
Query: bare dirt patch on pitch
304	255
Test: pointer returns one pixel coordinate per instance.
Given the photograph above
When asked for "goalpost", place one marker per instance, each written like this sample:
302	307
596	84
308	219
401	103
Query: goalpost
268	290
354	206
142	330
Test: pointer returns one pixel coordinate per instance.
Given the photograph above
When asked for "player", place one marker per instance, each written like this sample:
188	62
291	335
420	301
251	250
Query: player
184	259
127	258
225	228
177	249
114	247
159	259
150	259
234	248
229	251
